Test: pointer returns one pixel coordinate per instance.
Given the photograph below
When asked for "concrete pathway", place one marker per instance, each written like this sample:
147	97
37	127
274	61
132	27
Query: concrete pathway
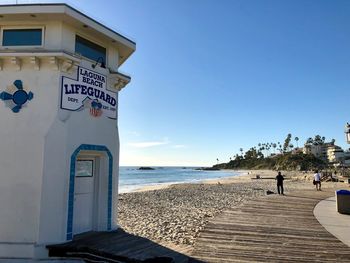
335	223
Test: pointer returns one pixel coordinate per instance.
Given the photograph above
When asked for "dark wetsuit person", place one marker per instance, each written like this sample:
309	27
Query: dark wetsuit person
280	179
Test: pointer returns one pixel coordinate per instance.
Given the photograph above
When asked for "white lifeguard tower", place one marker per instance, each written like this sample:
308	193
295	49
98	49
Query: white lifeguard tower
59	144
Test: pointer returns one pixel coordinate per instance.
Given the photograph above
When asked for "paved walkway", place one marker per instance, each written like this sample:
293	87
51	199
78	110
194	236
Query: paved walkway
271	229
335	223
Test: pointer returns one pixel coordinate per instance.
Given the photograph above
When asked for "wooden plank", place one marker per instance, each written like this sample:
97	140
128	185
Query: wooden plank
117	246
271	229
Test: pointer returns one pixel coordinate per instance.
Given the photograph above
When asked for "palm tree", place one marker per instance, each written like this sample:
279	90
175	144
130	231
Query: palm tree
309	141
279	146
241	150
217	160
265	148
296	140
291	146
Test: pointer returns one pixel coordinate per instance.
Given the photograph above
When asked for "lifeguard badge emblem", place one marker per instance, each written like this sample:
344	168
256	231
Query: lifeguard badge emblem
96	108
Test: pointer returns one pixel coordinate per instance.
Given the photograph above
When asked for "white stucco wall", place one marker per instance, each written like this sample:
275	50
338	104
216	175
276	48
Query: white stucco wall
35	153
21	155
37	143
62	139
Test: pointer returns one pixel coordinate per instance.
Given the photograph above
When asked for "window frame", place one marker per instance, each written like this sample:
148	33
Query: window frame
4	28
92	167
92	41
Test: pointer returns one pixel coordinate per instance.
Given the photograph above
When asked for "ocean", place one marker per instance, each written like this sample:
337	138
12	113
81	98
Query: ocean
131	178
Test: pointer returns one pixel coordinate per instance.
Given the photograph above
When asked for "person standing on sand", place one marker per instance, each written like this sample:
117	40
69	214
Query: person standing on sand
317	180
280	179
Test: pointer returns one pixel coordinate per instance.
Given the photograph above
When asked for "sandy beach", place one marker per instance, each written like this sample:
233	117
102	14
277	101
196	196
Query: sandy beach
173	215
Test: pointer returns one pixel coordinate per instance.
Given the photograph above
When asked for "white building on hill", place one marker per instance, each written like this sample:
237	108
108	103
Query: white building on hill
316	150
335	154
59	147
328	152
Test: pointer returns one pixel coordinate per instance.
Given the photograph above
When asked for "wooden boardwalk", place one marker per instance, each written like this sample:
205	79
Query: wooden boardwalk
118	247
271	229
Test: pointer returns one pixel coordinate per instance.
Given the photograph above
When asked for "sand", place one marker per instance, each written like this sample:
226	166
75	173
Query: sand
174	215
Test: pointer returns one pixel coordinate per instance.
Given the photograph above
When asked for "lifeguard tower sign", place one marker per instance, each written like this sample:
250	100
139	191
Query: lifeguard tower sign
88	91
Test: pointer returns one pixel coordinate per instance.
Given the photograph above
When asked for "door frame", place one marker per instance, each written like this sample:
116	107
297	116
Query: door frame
74	157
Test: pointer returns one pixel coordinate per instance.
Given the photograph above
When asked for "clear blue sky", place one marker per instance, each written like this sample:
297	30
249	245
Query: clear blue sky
210	77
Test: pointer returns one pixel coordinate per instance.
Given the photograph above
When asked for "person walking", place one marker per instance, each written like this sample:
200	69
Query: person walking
280	179
317	180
